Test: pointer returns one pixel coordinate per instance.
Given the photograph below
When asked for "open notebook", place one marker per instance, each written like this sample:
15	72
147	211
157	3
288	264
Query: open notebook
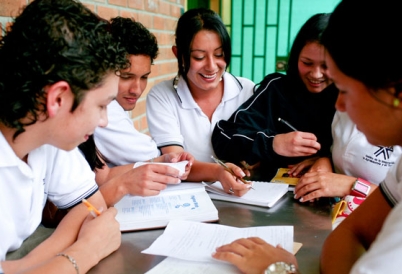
264	194
184	201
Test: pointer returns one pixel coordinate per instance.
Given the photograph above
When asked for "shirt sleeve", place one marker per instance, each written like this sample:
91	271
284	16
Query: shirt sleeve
69	179
120	142
248	134
162	114
391	186
384	254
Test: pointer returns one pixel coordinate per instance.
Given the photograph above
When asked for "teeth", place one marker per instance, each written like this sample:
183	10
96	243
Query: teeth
209	76
315	82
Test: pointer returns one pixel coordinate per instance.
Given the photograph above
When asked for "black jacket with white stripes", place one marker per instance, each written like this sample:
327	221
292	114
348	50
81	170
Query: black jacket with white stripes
249	132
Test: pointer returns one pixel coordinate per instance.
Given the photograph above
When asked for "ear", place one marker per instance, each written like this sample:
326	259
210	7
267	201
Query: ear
58	96
174	49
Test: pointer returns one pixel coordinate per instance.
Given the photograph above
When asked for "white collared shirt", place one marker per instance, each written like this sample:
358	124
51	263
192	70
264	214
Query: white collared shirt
174	118
63	177
120	142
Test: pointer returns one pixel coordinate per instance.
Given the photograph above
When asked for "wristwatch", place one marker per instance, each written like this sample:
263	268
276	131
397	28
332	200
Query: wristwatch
360	188
281	268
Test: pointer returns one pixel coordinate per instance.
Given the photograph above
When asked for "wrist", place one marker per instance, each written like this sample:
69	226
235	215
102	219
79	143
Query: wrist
281	268
360	188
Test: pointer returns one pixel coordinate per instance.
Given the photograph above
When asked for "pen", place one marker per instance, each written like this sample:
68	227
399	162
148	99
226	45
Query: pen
229	170
286	123
91	208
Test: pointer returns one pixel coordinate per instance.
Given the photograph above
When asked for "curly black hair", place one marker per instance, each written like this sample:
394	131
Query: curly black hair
134	37
51	41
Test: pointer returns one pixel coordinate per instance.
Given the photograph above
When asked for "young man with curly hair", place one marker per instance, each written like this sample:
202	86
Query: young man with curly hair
57	75
119	142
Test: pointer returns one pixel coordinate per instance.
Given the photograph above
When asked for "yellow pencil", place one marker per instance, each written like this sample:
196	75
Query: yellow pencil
90	207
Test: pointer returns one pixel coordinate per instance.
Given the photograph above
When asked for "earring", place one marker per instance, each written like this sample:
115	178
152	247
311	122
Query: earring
396	102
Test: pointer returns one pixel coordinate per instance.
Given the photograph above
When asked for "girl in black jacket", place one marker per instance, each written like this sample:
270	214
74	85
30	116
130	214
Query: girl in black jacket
257	133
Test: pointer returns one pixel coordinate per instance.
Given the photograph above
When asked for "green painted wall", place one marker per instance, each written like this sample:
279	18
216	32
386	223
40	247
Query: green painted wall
262	31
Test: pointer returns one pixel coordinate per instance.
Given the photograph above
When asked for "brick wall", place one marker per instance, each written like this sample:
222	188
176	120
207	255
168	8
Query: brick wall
159	16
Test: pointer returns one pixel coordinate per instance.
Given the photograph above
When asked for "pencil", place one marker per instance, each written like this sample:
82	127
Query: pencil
90	207
230	170
286	123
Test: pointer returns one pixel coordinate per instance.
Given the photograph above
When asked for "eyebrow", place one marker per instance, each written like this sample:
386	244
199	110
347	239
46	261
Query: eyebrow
221	47
129	73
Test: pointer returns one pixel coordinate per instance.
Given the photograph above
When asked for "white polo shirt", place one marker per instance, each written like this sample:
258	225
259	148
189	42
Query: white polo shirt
353	155
174	118
120	142
63	177
384	254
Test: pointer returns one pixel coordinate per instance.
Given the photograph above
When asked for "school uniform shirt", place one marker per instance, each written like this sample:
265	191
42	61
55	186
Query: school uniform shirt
174	118
391	187
384	253
353	155
248	134
64	178
120	142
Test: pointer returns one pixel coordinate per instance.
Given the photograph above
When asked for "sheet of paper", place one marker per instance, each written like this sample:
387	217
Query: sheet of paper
181	166
196	241
177	266
263	194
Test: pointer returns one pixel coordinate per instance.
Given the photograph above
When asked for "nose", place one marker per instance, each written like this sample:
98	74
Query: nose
103	119
211	64
317	72
135	87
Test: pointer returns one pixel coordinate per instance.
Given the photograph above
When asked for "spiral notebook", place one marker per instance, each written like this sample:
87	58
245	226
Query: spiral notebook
264	194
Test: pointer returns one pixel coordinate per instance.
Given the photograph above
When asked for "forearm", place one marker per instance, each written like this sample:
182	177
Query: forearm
114	189
202	171
63	237
340	251
354	235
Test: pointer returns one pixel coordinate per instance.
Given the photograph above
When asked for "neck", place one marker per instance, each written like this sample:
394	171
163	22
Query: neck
22	144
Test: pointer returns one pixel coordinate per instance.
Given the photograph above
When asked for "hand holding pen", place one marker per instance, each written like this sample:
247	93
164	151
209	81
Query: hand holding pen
295	143
91	208
231	172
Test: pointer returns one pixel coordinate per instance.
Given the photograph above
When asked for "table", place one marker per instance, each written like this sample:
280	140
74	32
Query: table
311	221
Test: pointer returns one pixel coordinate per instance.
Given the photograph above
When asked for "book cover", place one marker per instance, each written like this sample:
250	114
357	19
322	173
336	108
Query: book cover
283	177
263	194
185	201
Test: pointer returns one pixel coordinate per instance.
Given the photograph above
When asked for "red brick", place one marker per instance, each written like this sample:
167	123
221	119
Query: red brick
107	13
146	20
11	7
129	14
121	3
152	6
136	4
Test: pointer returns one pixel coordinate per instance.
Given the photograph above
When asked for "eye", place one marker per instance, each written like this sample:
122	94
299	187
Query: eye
125	76
198	57
307	63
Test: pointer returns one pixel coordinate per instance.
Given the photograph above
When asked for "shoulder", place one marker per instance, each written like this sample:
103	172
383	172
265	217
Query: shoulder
274	80
163	86
240	82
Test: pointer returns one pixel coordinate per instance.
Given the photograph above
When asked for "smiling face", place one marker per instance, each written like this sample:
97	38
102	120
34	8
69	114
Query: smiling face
312	67
207	63
370	110
75	127
133	81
